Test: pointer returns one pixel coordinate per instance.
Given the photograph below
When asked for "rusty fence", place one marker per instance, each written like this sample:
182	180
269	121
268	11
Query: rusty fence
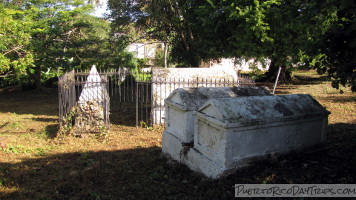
130	101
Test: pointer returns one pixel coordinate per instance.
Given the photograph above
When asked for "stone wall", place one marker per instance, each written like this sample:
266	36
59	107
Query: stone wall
237	64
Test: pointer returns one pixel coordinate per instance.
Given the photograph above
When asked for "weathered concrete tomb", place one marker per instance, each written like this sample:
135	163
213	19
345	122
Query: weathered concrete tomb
181	104
229	133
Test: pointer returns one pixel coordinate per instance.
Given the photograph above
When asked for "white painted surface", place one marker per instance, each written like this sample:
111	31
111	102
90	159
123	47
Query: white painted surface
93	89
173	146
240	64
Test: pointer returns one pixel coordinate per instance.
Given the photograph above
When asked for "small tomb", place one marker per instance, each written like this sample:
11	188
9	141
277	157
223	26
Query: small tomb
93	104
181	104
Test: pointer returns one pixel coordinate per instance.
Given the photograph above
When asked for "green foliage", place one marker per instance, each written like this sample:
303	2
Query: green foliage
14	37
41	39
57	34
334	51
284	31
256	73
68	122
146	20
159	58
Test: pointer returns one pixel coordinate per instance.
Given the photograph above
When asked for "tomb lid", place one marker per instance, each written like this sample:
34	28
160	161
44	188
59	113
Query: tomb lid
254	110
190	99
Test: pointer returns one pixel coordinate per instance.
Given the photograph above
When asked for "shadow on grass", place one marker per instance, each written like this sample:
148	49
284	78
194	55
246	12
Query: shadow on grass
278	92
52	130
30	102
123	117
309	80
297	80
340	99
42	104
42	119
127	174
124	113
39	103
4	125
143	173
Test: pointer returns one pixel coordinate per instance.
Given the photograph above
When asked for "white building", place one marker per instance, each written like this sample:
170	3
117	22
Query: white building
145	50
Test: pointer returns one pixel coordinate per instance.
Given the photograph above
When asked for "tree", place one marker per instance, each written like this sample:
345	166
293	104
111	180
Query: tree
334	51
284	31
56	25
42	38
14	39
153	20
199	29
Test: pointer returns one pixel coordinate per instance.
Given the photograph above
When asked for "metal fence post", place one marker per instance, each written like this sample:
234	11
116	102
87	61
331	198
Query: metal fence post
136	104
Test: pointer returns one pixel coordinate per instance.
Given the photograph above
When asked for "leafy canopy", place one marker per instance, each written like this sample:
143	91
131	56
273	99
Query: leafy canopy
320	34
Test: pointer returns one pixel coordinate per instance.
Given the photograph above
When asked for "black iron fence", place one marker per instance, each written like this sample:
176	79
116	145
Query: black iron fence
66	96
130	102
84	102
162	88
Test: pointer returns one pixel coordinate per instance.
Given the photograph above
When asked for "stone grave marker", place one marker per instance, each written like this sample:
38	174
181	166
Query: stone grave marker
91	107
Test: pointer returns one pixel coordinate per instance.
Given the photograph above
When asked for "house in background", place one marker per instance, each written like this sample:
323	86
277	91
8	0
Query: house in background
145	50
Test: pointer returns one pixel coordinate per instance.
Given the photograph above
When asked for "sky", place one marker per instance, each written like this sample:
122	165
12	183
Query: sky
100	10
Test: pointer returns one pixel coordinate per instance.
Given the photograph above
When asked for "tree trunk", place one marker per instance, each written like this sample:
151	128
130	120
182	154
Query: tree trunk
165	54
38	77
271	74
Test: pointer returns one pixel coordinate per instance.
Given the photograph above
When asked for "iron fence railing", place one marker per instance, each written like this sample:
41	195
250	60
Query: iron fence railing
84	101
129	101
162	88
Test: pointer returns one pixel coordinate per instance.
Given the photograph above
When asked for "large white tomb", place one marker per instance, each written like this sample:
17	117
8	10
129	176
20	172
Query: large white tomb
229	133
181	104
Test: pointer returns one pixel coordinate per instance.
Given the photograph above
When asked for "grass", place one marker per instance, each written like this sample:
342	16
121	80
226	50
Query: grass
127	163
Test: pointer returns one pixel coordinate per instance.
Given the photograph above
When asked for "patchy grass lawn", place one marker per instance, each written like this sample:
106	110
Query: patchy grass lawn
127	163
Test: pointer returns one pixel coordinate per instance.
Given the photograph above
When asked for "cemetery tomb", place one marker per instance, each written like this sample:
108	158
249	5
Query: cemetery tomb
92	104
229	133
181	104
